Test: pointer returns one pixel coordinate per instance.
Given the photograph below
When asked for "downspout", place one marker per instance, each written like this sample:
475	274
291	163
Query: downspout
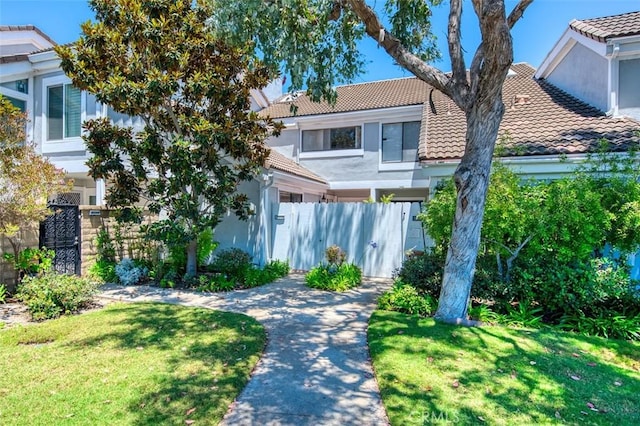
614	85
265	211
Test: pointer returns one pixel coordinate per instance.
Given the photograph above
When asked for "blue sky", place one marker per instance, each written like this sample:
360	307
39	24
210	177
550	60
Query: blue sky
534	36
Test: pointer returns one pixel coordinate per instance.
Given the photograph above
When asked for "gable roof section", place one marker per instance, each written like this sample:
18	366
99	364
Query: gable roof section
279	162
19	44
605	28
356	97
539	119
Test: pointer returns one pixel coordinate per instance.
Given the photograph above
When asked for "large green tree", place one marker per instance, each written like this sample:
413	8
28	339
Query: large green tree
159	61
317	42
27	179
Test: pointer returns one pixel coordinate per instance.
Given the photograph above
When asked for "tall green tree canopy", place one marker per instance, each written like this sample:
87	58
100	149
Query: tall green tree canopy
158	60
316	40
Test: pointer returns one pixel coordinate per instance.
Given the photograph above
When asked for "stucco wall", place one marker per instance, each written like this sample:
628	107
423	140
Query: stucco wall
629	84
584	74
348	169
245	235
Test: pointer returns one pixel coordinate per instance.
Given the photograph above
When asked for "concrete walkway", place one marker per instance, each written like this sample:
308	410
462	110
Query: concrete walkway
315	369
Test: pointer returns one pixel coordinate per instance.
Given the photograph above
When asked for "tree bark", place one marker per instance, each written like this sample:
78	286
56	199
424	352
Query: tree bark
479	95
472	180
192	258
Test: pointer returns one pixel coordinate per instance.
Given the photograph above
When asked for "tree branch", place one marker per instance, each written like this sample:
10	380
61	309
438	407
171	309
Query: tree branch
517	12
173	118
459	69
397	51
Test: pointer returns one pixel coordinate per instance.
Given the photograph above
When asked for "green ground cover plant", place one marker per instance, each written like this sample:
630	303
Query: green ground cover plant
127	364
433	373
336	274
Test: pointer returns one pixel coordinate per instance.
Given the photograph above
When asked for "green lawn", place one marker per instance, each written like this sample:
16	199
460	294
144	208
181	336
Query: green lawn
433	373
127	364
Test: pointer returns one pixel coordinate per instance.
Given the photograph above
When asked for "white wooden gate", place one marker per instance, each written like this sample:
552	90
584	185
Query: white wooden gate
375	236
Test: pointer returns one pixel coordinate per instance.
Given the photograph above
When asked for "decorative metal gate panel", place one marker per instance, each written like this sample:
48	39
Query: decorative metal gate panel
60	232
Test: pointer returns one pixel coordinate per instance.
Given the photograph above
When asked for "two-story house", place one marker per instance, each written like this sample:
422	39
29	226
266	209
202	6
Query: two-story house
598	61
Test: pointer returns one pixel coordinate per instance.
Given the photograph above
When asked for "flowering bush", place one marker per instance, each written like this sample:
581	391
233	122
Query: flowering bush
335	255
129	273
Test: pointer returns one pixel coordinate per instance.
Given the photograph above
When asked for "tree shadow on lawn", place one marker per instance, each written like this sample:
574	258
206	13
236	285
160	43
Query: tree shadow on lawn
216	353
483	374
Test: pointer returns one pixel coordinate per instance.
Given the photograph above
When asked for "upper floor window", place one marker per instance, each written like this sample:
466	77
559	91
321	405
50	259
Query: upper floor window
332	139
64	112
400	142
20	86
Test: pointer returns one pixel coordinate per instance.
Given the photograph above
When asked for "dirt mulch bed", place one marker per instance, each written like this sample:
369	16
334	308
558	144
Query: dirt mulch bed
13	312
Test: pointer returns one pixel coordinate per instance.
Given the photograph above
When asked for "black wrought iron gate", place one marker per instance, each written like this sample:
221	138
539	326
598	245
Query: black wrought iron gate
60	232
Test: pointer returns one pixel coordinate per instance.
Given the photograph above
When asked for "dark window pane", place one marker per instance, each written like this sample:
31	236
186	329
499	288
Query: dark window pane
54	113
20	104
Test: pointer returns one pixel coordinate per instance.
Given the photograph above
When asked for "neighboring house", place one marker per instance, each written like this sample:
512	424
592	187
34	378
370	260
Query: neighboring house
31	78
598	61
401	136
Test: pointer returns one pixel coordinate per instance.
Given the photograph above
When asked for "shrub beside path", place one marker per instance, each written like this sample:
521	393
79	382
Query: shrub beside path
315	368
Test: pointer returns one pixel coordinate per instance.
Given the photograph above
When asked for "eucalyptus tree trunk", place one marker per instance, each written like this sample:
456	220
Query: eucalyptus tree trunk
472	180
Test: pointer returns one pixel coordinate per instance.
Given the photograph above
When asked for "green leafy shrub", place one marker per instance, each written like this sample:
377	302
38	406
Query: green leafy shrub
31	261
215	282
231	262
248	276
177	256
50	295
279	268
104	271
604	325
589	288
206	246
483	313
424	272
3	293
524	315
333	277
105	247
169	279
405	298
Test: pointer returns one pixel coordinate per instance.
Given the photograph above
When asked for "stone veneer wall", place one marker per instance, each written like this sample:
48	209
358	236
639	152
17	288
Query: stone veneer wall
91	224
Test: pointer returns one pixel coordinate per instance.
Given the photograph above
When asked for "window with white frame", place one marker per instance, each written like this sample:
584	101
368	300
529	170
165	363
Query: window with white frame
400	142
64	111
332	139
16	92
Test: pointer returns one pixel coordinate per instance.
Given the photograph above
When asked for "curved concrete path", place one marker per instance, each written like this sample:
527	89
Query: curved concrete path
315	369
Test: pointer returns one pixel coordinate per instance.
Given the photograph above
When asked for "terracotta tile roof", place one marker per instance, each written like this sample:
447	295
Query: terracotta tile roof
280	162
602	29
540	119
356	97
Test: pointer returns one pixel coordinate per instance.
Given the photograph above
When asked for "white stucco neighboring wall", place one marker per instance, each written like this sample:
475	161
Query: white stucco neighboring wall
583	74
